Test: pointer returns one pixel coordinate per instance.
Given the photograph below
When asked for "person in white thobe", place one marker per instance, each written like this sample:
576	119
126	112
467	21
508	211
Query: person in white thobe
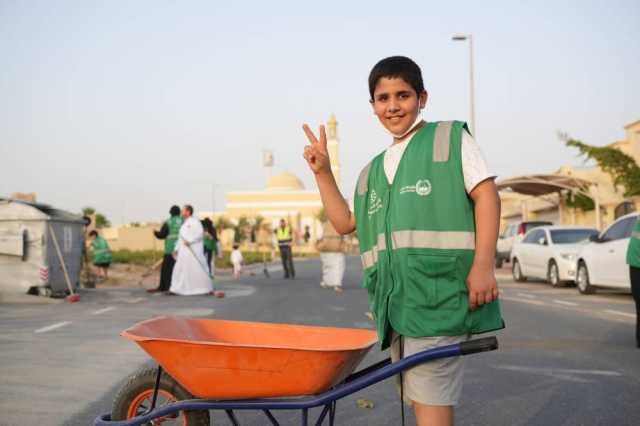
331	248
190	274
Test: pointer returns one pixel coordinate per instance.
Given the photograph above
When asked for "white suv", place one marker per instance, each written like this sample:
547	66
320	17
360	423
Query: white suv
602	262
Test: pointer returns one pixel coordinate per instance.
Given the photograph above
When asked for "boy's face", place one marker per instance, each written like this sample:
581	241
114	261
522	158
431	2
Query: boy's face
396	104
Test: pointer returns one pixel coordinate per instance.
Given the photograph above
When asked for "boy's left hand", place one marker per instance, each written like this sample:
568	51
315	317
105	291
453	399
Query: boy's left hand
482	286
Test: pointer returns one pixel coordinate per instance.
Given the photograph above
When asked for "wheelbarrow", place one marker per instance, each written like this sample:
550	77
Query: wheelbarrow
217	365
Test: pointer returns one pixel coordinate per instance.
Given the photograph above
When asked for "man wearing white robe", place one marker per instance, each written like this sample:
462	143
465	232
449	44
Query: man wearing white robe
190	274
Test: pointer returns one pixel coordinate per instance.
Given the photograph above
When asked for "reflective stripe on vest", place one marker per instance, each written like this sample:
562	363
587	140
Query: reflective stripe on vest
444	240
370	257
441	142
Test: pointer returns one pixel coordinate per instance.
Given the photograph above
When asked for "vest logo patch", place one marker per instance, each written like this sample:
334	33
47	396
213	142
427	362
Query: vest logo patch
375	203
422	188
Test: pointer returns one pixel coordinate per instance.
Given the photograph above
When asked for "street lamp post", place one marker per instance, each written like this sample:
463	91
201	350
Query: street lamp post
463	37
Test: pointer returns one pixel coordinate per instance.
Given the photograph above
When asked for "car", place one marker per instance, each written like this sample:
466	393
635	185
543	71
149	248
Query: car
550	253
511	234
602	262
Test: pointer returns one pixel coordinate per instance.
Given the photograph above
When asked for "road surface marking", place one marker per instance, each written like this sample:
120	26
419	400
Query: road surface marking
562	302
136	300
529	301
103	310
194	312
52	327
559	371
527	295
626	314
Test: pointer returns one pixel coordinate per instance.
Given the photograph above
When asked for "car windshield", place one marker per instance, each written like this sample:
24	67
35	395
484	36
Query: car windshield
571	236
530	225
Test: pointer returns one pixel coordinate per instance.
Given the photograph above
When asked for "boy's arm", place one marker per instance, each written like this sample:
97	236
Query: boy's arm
335	205
482	280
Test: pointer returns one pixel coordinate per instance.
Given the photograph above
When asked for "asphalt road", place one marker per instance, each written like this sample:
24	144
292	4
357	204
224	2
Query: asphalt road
565	359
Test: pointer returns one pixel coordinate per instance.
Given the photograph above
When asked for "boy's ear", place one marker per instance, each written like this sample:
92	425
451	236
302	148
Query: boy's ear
422	99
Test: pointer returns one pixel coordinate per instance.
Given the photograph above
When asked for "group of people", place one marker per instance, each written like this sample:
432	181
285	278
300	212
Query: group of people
189	247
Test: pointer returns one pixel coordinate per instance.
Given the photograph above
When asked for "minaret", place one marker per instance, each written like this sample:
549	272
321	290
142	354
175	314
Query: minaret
332	146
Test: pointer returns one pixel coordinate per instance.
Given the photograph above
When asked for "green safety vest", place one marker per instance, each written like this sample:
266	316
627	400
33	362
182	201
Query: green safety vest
633	251
173	223
209	243
284	235
417	240
101	250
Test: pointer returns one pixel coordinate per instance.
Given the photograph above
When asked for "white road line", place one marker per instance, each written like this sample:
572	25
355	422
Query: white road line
103	310
558	371
529	301
136	300
52	327
527	295
562	302
625	314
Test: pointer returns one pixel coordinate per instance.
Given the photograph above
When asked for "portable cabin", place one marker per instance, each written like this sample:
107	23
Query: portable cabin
29	255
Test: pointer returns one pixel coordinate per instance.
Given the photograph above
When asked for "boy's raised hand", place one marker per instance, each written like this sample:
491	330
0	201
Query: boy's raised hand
316	152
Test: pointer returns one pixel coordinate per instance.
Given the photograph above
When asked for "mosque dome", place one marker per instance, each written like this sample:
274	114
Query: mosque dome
284	182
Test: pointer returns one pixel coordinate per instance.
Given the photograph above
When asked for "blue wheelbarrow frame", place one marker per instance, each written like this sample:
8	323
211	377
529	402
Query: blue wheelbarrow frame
328	400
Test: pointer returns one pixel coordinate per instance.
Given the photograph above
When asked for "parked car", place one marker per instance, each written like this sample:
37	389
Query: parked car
602	262
511	234
550	252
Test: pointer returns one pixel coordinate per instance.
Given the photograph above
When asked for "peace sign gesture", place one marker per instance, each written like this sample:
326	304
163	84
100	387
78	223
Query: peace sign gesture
316	152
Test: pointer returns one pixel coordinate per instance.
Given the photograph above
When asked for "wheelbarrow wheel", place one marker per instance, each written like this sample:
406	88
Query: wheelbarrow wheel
135	398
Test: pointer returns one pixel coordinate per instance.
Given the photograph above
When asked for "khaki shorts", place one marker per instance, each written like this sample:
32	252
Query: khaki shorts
437	382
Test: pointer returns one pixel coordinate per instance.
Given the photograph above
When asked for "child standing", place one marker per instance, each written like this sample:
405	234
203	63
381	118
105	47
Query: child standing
427	215
236	261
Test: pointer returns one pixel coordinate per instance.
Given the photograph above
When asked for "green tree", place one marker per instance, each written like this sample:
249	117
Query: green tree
101	220
223	223
620	166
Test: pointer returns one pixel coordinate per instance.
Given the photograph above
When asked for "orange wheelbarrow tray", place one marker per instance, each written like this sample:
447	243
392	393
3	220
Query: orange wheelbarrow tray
237	365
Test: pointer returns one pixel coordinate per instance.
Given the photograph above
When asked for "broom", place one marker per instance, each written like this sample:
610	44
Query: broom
73	296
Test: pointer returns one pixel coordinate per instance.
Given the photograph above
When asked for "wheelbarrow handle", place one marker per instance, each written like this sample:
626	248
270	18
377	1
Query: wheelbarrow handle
479	345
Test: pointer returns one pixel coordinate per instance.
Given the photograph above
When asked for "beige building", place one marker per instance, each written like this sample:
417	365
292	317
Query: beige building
590	180
283	197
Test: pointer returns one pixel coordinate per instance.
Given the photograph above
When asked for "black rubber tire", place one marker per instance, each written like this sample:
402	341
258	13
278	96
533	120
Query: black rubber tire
584	287
559	282
517	278
144	380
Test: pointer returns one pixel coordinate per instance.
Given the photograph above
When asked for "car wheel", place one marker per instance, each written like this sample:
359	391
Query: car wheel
582	280
517	272
553	275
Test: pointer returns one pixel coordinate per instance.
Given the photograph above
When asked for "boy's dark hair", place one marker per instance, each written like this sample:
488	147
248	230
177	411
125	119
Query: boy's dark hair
396	67
93	233
189	208
235	246
174	210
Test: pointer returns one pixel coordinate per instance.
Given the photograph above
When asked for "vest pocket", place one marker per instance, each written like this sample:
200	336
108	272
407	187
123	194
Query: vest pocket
433	282
370	282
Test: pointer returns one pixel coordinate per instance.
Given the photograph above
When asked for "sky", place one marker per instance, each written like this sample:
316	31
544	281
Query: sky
130	107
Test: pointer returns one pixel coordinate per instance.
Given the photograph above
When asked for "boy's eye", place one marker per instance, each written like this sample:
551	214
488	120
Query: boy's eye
382	98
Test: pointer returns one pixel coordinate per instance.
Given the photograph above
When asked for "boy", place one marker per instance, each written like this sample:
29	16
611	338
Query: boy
427	215
236	261
101	254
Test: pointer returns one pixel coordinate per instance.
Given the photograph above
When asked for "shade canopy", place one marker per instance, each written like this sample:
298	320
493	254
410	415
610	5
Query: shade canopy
538	185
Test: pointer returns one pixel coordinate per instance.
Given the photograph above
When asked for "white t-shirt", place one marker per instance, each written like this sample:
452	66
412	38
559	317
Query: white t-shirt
474	168
236	257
